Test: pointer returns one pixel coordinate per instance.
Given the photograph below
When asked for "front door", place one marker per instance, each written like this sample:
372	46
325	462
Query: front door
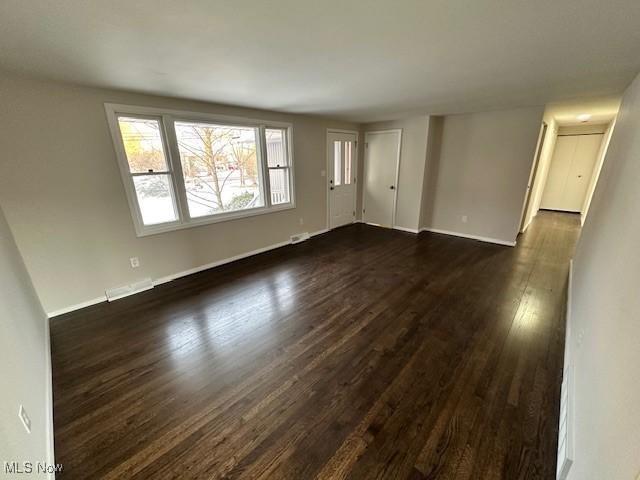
341	148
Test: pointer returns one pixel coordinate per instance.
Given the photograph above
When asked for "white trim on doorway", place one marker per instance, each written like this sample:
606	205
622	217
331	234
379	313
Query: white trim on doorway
535	165
395	191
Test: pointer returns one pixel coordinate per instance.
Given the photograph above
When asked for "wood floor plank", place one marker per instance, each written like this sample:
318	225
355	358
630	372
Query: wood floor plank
363	353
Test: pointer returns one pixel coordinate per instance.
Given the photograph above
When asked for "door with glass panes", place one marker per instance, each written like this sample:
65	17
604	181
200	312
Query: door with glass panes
341	148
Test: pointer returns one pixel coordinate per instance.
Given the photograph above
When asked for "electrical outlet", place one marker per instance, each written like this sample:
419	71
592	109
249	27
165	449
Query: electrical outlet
135	262
464	219
24	417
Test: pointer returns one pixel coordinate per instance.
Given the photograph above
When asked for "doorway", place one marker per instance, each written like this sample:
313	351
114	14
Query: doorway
381	162
532	178
570	173
342	172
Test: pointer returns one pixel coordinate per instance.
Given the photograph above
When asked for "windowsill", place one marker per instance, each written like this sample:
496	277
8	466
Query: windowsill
222	217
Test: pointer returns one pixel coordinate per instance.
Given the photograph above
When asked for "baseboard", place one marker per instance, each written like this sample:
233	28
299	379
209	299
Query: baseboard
524	229
319	232
224	261
569	290
472	237
77	306
184	273
395	227
565	454
405	229
51	457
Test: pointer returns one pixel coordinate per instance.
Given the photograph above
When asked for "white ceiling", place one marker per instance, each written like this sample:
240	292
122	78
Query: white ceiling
602	110
354	59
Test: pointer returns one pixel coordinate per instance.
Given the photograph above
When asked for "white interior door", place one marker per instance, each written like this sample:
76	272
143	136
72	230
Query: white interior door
553	195
341	148
382	157
581	171
571	168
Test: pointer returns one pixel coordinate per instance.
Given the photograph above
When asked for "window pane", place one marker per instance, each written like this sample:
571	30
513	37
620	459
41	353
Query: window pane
155	199
348	150
220	167
337	163
276	147
143	144
279	183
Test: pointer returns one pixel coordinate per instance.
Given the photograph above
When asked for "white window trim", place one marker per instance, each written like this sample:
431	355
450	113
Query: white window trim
168	117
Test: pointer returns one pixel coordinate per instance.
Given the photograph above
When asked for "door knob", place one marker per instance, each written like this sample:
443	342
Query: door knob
392	187
330	188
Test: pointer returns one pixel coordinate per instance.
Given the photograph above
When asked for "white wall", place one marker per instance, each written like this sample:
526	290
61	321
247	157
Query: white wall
481	172
430	181
597	169
413	151
604	313
64	199
25	367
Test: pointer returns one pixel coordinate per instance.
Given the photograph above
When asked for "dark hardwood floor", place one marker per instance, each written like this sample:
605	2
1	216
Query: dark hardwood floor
363	353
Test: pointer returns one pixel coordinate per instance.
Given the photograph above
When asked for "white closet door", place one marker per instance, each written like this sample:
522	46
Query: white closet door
382	155
584	161
570	172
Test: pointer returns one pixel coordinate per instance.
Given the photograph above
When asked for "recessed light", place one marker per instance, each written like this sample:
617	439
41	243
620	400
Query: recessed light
584	117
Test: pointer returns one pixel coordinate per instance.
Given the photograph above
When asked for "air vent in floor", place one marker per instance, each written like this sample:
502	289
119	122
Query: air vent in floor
300	237
126	290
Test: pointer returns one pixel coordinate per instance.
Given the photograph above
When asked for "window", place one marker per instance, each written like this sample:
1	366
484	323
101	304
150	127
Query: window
337	161
342	162
219	167
148	169
348	152
183	169
278	165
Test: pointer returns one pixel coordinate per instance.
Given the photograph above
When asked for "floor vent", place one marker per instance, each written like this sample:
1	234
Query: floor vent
126	290
301	237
